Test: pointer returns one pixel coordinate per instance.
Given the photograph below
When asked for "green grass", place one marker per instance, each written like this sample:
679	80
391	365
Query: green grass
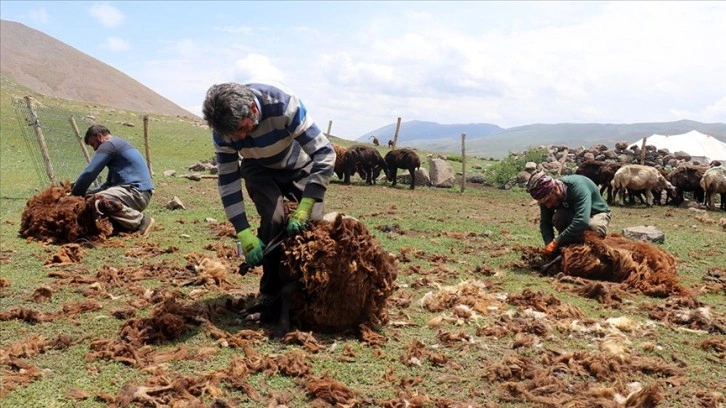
446	235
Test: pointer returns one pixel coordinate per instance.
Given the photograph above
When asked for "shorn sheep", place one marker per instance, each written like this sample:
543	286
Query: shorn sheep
636	177
714	182
339	279
402	159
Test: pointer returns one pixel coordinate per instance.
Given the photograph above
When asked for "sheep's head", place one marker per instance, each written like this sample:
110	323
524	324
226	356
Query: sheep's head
671	189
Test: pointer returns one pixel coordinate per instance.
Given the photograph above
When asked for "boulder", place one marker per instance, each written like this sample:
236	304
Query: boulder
647	233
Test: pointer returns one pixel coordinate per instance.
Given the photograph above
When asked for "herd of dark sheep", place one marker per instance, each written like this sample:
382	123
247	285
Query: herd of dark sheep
368	163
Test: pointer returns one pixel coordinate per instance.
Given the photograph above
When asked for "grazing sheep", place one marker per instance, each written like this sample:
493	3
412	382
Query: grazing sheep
365	160
687	178
402	159
601	173
636	177
339	279
338	168
657	194
712	182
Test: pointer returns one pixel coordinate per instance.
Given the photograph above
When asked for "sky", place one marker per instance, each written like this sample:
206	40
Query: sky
364	64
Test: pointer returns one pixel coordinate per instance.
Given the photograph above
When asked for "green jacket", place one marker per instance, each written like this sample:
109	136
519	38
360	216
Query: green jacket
583	198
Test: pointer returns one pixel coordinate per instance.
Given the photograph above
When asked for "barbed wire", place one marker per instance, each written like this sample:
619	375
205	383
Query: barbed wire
57	152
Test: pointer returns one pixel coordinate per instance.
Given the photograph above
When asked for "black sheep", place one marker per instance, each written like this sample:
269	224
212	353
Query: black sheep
601	173
363	159
402	159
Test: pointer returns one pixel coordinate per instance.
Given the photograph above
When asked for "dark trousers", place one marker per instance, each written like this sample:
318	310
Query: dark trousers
268	189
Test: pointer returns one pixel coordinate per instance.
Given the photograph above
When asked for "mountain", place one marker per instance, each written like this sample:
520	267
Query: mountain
484	139
52	68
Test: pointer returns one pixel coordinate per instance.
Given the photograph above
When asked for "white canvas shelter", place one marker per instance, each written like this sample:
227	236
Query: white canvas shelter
702	148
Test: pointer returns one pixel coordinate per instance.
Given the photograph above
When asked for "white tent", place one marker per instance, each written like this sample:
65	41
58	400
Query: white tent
702	148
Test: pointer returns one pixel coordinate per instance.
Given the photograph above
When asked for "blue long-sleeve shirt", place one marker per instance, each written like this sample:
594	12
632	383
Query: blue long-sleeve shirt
285	139
126	166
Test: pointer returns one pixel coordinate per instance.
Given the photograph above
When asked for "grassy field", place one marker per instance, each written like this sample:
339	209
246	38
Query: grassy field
525	340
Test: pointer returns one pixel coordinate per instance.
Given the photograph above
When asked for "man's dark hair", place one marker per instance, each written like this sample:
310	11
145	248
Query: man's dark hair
226	105
95	130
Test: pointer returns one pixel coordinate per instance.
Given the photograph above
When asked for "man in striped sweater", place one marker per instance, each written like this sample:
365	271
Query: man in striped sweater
264	135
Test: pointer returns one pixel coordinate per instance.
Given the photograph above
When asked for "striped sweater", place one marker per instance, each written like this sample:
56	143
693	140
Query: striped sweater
285	139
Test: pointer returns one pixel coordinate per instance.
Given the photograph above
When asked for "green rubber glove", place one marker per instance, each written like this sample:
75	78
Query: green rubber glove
252	247
298	219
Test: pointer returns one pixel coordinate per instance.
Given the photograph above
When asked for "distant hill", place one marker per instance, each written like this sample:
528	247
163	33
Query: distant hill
484	139
52	68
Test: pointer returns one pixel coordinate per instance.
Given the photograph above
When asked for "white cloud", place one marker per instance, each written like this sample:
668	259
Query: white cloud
107	15
611	62
257	67
116	44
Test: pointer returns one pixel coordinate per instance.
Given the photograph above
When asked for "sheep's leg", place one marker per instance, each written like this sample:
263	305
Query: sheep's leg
648	197
283	324
395	176
413	177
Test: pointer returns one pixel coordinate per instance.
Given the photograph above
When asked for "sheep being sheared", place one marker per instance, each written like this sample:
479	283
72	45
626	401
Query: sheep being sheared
54	216
636	265
340	278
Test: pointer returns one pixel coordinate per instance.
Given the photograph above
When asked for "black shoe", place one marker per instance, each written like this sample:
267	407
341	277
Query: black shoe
145	226
261	305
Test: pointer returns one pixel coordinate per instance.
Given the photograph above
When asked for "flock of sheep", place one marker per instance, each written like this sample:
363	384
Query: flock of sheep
618	178
643	174
629	179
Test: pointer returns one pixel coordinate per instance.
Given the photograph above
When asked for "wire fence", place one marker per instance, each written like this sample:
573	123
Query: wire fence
53	140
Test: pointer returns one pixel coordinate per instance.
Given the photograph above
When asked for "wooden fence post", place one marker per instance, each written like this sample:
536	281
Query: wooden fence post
79	138
463	161
41	141
642	151
395	135
563	160
330	126
146	145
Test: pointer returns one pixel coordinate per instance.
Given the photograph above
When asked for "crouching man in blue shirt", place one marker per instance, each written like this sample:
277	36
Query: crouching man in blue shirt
128	181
